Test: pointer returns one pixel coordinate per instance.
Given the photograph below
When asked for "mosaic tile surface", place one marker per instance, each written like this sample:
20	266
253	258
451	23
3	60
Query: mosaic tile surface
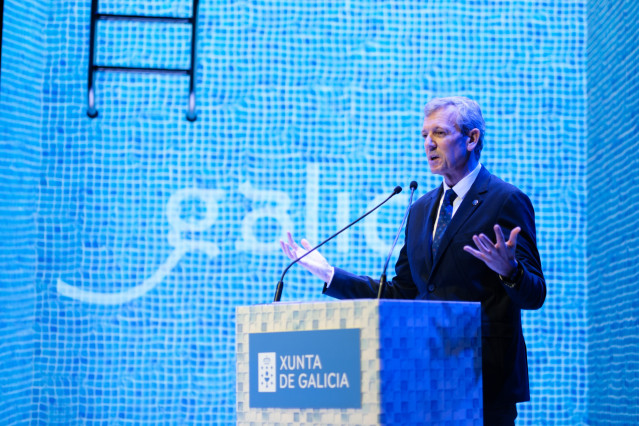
143	232
613	277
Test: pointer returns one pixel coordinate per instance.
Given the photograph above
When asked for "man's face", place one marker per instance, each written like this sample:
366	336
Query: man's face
447	149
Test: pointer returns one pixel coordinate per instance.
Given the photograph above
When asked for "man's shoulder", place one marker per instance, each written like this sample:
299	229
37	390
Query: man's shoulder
485	182
495	182
427	197
506	188
502	192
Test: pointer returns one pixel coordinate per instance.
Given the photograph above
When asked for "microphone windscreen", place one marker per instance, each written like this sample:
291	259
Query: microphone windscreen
397	190
413	185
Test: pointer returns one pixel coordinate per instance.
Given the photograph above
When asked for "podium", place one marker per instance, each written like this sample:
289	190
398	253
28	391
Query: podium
359	362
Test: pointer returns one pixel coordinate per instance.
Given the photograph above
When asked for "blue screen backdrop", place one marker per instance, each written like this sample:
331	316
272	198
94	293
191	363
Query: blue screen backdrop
129	239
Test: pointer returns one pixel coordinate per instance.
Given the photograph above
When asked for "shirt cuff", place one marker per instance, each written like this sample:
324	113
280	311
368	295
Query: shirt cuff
330	278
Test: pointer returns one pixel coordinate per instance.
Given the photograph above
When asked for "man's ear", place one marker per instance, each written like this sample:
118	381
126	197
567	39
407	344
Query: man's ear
473	139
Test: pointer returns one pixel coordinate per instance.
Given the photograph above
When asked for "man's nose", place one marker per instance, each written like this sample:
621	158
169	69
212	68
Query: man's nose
428	142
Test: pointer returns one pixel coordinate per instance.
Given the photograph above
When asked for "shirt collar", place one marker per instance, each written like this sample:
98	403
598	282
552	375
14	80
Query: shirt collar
463	186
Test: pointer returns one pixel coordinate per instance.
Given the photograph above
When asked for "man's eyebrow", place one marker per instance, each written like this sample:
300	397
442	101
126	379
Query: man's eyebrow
436	128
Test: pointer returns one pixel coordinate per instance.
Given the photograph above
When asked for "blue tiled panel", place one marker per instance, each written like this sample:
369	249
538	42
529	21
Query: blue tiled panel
181	8
613	249
20	166
307	111
430	357
148	44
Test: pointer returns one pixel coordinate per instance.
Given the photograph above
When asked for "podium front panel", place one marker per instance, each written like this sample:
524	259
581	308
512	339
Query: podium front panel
364	362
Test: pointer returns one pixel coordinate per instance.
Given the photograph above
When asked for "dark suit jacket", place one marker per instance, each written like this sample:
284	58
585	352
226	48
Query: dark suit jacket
455	275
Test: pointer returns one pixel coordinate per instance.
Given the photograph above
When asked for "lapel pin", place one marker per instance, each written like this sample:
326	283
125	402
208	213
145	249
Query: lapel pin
475	202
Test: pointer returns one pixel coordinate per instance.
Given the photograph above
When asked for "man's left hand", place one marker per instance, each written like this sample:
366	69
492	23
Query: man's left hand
500	256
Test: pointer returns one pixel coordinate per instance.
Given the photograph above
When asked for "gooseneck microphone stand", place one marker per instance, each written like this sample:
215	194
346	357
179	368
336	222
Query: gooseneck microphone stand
382	280
280	284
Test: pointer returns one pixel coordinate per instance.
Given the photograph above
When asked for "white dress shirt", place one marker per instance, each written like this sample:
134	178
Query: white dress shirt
461	189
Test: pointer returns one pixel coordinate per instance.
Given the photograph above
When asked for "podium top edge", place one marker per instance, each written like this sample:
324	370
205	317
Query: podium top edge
373	302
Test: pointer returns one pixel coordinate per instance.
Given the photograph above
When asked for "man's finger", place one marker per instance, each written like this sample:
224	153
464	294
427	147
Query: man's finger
512	240
306	244
487	245
474	252
291	241
286	250
499	235
478	243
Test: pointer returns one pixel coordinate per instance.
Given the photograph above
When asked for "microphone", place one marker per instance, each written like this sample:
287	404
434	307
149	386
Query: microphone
382	279
280	284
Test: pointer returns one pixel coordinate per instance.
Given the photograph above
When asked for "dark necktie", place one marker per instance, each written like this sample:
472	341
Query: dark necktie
445	215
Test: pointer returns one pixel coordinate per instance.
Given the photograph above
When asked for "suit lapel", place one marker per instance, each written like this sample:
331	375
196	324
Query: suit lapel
469	205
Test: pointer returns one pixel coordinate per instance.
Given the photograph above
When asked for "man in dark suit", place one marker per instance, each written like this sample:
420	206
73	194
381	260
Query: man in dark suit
448	255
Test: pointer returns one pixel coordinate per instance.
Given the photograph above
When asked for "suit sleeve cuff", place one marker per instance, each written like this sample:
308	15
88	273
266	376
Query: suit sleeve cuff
513	282
328	282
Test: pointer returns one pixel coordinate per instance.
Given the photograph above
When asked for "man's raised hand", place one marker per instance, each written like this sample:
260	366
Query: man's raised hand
314	263
500	256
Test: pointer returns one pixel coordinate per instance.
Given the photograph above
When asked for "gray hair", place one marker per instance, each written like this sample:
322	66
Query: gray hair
469	116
